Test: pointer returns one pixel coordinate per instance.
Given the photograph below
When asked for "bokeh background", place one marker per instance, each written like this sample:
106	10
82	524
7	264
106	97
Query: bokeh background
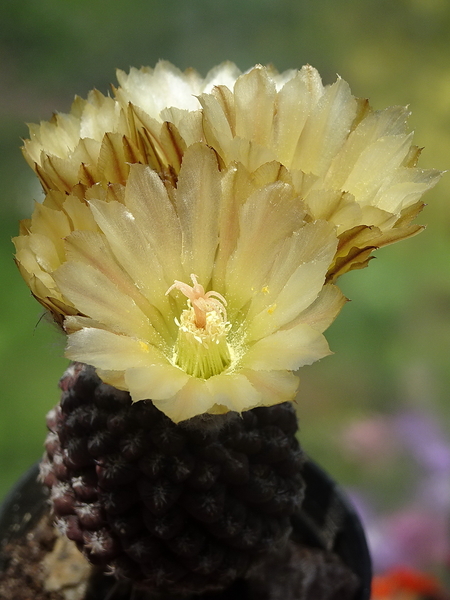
376	415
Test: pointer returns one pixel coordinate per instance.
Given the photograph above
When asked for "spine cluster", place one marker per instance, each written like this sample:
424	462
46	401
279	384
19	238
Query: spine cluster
179	508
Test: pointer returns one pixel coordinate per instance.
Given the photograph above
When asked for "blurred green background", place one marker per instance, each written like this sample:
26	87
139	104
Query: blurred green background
392	341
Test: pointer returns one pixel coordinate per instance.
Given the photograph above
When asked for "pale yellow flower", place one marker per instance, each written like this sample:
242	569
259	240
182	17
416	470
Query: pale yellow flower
102	136
350	165
192	227
134	274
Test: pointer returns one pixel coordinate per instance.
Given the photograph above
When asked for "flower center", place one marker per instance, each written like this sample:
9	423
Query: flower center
201	349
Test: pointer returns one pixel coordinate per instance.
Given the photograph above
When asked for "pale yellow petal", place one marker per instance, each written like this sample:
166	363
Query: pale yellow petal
224	74
249	153
406	188
132	250
79	214
158	88
52	224
274	386
313	243
299	292
234	391
91	248
147	199
188	123
219	120
255	95
289	349
100	114
293	105
107	350
335	206
263	234
45	251
74	323
323	311
97	297
375	167
158	382
197	202
114	378
326	129
374	126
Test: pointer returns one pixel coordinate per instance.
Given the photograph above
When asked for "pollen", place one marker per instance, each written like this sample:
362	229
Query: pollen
271	309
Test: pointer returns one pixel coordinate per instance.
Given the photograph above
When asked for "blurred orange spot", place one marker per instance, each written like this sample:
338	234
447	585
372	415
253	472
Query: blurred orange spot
405	584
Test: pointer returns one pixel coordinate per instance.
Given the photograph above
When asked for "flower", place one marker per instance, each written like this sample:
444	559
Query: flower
415	532
351	165
131	312
192	229
101	136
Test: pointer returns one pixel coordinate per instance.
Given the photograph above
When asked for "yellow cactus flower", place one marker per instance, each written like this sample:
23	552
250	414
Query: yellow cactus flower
134	275
101	136
350	165
192	228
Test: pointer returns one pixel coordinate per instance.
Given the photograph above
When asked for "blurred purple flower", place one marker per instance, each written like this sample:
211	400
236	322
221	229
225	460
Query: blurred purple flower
415	535
422	435
370	440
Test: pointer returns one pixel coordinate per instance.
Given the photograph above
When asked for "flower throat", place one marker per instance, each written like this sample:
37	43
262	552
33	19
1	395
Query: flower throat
201	349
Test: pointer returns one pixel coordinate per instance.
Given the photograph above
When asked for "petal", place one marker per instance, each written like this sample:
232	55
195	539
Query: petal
197	202
260	237
376	125
147	199
313	243
234	391
159	382
132	250
337	207
375	167
288	349
291	289
299	292
407	187
224	74
326	129
322	312
293	106
107	350
274	386
193	399
91	248
158	88
219	119
255	95
79	214
97	297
